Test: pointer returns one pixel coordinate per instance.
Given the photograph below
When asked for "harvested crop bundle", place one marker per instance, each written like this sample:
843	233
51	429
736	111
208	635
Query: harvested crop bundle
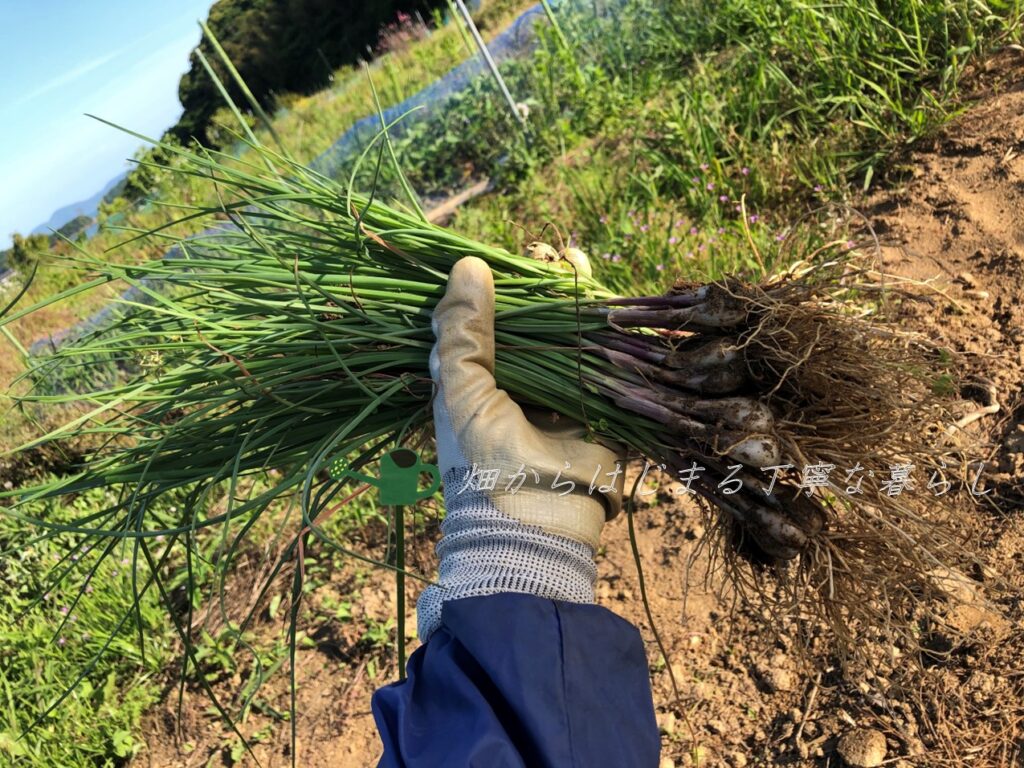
300	330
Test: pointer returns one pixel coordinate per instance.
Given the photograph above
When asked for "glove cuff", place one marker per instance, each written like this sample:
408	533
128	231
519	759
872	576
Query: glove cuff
484	552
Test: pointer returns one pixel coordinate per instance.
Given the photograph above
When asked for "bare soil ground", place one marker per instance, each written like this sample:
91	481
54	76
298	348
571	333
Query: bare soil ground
751	694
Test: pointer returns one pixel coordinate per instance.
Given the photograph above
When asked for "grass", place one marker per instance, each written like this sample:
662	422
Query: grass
56	630
638	130
789	105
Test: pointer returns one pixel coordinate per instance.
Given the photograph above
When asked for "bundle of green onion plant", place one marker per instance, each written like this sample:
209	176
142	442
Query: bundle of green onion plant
300	331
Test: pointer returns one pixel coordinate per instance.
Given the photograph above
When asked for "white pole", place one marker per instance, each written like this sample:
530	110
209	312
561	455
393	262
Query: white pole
490	62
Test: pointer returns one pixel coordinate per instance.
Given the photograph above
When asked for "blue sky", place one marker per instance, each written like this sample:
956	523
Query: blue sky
118	59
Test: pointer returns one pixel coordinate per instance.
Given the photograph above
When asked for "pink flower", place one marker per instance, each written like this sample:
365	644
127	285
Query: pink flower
738	208
754	218
818	187
659	267
695	180
644	228
723	198
745	171
679	223
780	237
710	185
701	247
673	240
693	230
61	641
603	219
616	258
721	230
606	256
64	610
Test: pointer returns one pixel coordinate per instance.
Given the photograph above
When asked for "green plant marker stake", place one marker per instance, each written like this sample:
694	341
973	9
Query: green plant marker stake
400	585
400	470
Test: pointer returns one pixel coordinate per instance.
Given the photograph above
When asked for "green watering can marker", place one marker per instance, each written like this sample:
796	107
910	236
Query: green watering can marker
399	479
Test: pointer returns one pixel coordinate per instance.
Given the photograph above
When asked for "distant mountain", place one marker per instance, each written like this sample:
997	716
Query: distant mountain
88	207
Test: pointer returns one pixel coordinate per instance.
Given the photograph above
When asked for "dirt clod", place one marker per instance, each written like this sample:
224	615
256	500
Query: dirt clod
862	748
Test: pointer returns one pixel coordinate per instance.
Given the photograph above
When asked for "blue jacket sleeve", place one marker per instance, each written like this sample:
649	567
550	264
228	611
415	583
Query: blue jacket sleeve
517	681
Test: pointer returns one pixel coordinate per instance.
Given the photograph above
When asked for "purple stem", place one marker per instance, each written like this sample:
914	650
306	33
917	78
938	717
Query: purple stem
631	345
669	300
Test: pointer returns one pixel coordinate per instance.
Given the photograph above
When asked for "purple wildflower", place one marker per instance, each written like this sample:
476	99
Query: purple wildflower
723	198
659	267
673	240
693	230
704	166
754	218
745	171
616	258
604	218
710	185
644	228
606	256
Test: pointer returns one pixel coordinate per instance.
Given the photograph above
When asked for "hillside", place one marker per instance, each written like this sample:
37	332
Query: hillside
88	207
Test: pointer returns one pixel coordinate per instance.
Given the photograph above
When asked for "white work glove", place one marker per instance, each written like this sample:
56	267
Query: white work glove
498	537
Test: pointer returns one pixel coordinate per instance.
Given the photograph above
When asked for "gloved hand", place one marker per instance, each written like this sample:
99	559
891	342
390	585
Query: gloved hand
504	532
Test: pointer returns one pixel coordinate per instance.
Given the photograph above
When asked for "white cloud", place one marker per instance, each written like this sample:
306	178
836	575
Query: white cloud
68	77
